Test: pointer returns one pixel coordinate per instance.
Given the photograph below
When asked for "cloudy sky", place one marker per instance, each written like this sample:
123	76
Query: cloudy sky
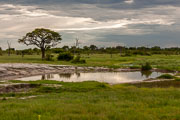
99	22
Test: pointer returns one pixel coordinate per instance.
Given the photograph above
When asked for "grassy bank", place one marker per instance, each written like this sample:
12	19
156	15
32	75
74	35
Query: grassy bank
93	101
157	61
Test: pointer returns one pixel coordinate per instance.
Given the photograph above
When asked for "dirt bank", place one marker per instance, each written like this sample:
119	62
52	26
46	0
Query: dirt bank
10	71
18	87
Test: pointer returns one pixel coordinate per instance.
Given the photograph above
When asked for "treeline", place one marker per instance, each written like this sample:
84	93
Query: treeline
92	49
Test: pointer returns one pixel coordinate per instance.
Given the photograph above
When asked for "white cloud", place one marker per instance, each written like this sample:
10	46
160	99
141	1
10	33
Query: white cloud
17	20
29	17
115	24
129	1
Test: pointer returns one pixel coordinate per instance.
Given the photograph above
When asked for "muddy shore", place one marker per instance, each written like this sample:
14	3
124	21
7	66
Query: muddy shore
17	70
11	71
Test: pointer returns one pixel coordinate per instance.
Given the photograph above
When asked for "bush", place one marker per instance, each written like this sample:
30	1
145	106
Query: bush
177	79
126	55
166	76
0	53
78	59
134	67
49	57
146	67
141	53
65	56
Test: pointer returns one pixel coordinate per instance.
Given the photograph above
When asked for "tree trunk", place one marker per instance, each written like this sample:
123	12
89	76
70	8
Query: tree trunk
9	52
43	53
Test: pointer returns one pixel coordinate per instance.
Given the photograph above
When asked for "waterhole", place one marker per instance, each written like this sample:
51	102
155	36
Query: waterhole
107	77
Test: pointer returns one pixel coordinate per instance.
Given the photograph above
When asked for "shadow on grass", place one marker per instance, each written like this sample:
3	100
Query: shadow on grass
157	84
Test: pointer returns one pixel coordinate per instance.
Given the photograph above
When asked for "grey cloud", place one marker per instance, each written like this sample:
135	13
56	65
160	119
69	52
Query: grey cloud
165	39
97	16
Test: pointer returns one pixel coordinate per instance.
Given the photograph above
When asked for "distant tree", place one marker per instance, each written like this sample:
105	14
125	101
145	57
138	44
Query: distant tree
42	38
36	50
93	47
76	47
132	48
110	51
120	48
0	51
10	51
57	50
9	48
27	51
156	48
86	49
65	48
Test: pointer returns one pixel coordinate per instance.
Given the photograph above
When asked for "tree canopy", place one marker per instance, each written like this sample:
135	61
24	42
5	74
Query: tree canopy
42	38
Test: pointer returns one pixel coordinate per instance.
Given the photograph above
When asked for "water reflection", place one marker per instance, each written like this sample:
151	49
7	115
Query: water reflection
47	77
62	75
78	74
108	77
147	74
65	75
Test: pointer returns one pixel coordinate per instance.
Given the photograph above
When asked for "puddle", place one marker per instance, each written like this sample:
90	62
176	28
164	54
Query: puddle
107	77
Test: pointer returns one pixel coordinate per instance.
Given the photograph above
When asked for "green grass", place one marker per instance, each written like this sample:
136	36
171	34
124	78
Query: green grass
157	61
166	76
158	84
94	101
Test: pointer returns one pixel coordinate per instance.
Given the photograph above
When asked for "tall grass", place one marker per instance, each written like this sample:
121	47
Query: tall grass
95	101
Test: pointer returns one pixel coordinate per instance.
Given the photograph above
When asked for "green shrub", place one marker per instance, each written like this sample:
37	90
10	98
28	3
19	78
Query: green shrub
126	55
49	57
177	79
141	53
166	76
178	74
0	52
65	56
78	59
134	67
146	67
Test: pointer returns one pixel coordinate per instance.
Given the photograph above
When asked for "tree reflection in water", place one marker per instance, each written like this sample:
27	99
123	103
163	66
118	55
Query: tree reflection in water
78	74
65	75
47	77
69	75
147	74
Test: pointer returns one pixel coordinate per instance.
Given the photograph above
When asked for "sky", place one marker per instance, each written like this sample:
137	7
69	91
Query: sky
104	23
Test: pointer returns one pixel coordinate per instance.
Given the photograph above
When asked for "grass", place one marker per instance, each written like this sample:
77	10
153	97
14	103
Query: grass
157	61
166	76
159	84
94	101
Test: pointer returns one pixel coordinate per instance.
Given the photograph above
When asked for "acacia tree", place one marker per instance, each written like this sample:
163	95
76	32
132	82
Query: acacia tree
42	38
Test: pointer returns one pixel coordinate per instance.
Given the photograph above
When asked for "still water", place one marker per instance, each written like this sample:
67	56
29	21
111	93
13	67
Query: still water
107	77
